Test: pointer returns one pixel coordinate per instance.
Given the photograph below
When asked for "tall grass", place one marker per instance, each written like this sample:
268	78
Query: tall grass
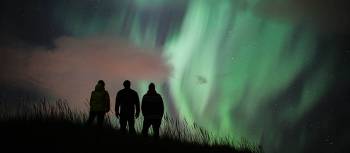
171	129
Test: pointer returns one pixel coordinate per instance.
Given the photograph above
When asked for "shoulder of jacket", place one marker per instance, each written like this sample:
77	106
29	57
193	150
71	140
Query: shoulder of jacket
133	91
120	91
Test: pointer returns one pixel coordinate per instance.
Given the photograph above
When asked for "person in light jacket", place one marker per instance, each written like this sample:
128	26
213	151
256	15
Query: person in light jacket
99	104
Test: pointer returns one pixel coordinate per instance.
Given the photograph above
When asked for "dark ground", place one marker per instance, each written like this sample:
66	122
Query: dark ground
66	136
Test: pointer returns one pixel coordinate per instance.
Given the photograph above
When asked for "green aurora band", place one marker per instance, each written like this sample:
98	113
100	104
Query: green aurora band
230	66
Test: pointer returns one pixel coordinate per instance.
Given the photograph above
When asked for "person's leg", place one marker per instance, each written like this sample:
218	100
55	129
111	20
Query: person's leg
155	126
122	122
145	127
131	122
100	118
91	118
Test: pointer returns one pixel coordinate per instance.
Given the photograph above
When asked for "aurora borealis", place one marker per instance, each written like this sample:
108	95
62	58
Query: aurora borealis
233	69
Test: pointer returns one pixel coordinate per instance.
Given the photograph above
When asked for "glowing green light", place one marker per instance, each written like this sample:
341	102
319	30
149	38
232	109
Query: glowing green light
228	63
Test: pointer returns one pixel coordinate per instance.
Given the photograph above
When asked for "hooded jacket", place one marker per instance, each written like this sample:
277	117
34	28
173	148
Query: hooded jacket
152	105
99	100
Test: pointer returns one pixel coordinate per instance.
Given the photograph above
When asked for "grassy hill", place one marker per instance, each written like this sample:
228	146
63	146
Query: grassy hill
47	128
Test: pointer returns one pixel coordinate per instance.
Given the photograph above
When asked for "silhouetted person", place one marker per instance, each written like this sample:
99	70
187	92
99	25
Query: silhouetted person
152	110
99	104
126	102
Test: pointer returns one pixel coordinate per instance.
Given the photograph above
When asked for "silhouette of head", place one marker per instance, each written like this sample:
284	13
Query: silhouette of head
101	82
126	84
151	86
100	86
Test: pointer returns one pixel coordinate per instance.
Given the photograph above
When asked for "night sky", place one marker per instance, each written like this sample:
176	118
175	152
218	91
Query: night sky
274	72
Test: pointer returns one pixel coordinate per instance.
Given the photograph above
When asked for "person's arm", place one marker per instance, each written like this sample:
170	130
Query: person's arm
143	106
161	105
117	104
108	103
91	99
137	105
